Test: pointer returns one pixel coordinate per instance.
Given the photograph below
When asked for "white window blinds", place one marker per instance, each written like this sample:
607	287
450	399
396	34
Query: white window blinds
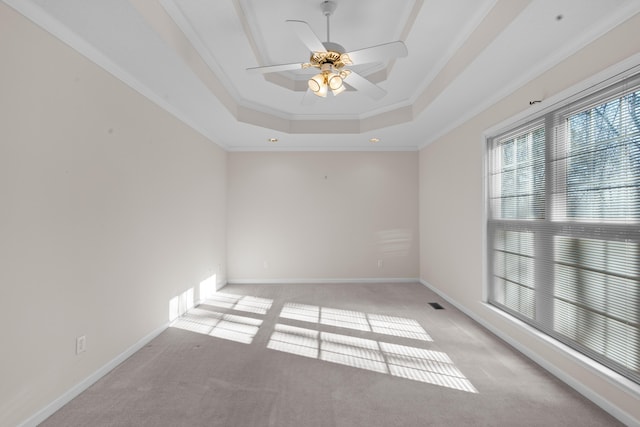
564	225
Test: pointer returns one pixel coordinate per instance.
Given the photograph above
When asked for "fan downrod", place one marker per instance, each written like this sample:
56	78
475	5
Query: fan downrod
335	52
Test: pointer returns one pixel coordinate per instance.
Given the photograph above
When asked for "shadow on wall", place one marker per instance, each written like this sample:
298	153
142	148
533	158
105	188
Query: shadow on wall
403	361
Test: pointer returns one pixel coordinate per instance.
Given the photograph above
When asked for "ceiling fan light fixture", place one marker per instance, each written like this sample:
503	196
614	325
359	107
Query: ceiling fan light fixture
335	81
318	85
316	82
322	92
338	91
331	58
327	79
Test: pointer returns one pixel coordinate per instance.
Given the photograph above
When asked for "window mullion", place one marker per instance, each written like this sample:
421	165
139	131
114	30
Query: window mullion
564	255
543	271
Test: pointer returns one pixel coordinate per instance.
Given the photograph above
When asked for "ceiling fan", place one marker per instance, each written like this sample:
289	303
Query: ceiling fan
331	59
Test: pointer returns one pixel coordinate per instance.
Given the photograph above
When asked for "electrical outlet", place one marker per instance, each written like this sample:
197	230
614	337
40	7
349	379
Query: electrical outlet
265	264
379	263
81	344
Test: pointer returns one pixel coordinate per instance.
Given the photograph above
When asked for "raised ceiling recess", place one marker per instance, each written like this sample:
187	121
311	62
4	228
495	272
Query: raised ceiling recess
191	58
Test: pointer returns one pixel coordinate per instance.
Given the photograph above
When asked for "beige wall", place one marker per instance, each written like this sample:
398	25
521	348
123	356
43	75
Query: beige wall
109	207
322	216
452	205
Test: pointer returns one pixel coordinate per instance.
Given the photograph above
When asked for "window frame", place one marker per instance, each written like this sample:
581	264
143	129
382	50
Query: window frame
553	116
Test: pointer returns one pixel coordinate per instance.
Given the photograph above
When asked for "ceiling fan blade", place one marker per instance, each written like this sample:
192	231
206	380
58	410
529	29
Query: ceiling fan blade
381	52
306	34
363	85
275	68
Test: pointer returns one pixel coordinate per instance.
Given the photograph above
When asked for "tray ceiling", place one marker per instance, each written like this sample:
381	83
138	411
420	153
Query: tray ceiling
190	57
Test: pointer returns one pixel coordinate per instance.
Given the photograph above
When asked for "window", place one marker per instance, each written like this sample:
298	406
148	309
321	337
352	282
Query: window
564	225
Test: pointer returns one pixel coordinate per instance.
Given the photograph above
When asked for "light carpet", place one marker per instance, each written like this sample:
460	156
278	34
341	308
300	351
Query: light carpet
328	355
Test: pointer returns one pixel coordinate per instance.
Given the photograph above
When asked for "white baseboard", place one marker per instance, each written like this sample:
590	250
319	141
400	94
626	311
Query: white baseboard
571	381
321	281
74	391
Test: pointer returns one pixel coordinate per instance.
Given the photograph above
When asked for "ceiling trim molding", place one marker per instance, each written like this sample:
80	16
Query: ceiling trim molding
591	36
482	35
267	116
318	148
465	33
185	41
245	15
248	20
592	84
42	19
208	71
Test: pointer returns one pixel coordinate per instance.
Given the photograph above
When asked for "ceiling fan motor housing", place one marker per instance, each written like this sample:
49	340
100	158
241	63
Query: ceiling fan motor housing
335	47
332	60
334	55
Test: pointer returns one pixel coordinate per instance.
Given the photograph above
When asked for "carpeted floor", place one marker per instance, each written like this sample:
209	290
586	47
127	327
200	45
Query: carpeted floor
328	355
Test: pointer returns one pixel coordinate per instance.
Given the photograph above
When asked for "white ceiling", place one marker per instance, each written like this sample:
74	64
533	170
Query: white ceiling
190	56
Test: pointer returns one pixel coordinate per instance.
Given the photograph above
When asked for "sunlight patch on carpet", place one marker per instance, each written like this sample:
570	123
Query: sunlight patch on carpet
226	326
244	303
417	364
356	320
